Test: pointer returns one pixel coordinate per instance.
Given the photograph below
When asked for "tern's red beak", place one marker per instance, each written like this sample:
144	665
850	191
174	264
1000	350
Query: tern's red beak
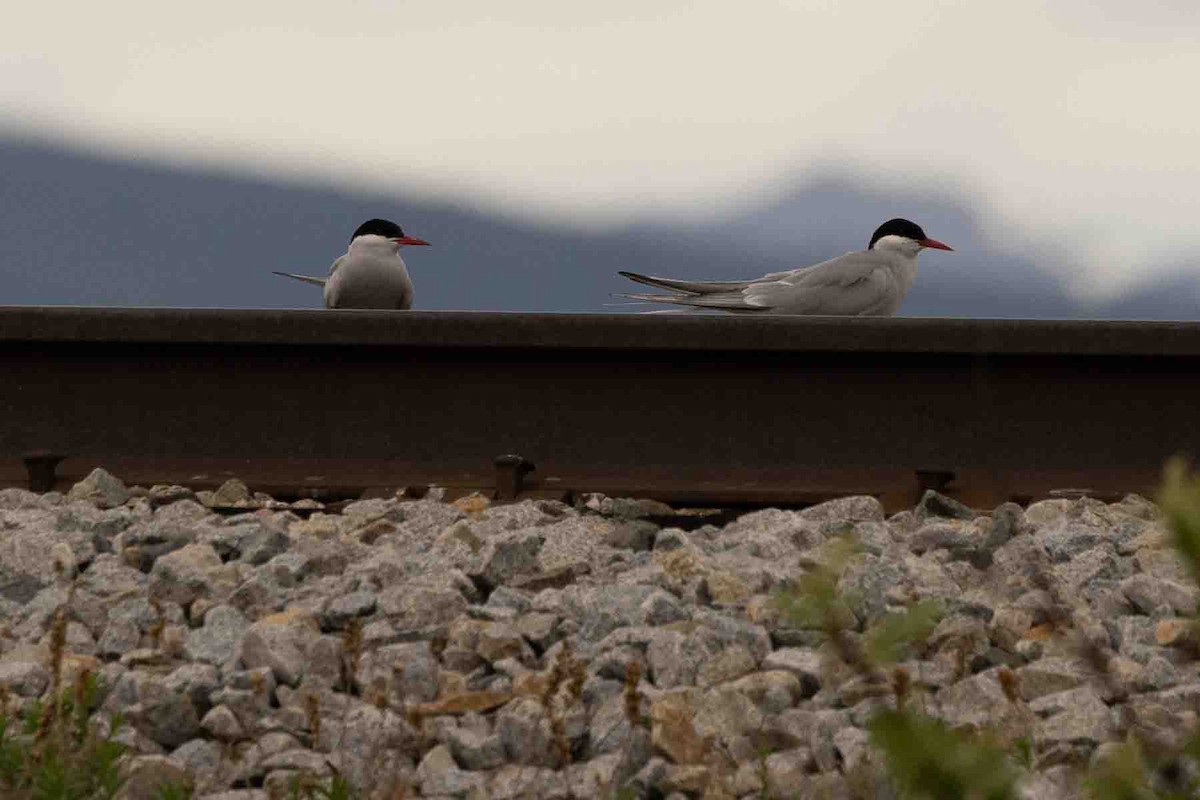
935	244
412	240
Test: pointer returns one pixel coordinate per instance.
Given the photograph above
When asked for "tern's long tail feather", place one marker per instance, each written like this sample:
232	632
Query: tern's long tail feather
730	302
305	278
691	287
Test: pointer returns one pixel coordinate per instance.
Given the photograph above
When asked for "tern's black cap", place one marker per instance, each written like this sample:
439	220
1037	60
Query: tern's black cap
379	227
898	227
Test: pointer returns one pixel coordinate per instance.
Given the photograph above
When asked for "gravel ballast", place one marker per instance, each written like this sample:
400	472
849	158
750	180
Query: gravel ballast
540	650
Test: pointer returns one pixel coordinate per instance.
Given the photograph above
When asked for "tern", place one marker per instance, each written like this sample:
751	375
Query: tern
371	274
869	282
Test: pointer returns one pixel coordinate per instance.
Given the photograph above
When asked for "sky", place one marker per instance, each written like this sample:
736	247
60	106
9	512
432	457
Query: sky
1070	125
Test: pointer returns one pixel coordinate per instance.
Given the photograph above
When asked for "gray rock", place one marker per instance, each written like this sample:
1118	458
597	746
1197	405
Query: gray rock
973	701
594	777
220	640
722	629
602	609
197	682
407	671
627	507
1148	593
101	489
1077	716
1094	564
166	717
1063	543
505	598
538	628
1157	673
940	534
524	728
852	745
669	539
804	664
297	760
935	504
674	658
1048	676
202	759
288	569
421	605
161	494
231	493
349	606
14	499
21	589
476	751
516	782
728	664
508	557
356	744
868	583
25	678
637	535
262	545
280	642
222	724
862	508
326	658
184	575
499	641
662	608
146	775
610	731
1008	520
873	537
440	776
773	691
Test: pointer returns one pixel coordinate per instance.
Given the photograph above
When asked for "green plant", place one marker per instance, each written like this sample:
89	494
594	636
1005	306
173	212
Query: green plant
925	759
305	787
175	791
1179	499
888	638
1134	770
56	754
929	760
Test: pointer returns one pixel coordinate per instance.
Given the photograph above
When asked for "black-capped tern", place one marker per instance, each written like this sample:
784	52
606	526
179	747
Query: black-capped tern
371	274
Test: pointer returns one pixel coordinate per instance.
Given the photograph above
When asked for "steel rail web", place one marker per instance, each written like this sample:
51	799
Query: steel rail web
702	409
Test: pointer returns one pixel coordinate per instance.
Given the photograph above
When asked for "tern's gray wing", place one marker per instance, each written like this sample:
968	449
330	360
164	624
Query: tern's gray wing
697	287
857	283
729	301
690	287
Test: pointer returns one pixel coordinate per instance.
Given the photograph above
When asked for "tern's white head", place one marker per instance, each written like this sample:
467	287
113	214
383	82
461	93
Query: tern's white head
902	236
379	233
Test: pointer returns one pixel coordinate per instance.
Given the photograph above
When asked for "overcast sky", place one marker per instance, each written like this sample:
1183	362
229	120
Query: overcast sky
1073	124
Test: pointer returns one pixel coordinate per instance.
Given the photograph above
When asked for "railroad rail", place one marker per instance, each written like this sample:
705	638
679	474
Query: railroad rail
702	410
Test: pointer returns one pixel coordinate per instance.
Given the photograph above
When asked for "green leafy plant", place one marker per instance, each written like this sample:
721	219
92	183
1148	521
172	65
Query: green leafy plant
888	638
305	787
929	760
175	791
55	754
1179	499
812	601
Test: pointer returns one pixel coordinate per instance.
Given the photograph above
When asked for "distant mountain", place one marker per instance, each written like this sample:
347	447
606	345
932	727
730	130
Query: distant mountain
81	229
